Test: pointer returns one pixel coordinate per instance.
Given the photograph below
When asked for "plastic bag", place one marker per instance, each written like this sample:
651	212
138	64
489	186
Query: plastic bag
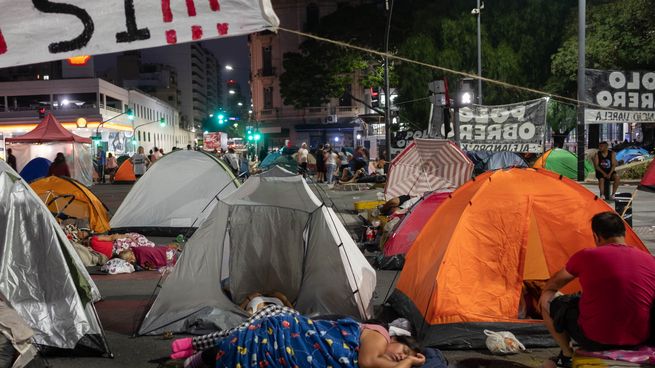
503	342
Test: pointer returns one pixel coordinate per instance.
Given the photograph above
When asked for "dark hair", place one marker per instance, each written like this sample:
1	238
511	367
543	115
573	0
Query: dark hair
60	158
603	142
411	343
607	225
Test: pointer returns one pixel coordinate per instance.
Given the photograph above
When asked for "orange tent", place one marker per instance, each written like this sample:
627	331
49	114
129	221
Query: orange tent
488	243
68	198
648	181
125	173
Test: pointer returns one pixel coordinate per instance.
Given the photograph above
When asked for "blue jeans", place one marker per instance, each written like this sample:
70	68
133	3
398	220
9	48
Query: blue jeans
330	172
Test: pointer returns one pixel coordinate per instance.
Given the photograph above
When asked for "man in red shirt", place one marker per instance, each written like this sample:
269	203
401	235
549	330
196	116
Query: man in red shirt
618	284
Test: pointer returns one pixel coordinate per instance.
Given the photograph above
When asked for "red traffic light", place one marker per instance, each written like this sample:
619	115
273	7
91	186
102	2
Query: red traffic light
42	112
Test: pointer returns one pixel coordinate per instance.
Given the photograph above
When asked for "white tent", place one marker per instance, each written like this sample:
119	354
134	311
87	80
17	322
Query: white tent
272	234
41	275
175	195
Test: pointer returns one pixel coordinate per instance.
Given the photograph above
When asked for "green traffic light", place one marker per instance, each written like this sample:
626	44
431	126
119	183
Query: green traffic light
250	137
130	114
162	122
257	136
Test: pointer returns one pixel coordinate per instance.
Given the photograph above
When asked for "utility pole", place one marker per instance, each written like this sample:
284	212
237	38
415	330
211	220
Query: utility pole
479	56
387	92
581	87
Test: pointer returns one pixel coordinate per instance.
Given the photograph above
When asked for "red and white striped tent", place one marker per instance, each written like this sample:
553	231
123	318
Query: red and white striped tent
428	165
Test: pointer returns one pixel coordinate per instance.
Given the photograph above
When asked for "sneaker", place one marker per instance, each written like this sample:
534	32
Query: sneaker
563	361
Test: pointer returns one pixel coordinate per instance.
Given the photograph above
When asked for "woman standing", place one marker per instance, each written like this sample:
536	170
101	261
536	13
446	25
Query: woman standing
139	162
59	166
112	166
330	163
320	164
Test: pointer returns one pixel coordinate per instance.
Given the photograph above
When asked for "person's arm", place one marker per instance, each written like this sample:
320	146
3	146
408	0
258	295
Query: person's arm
554	284
597	163
614	163
372	347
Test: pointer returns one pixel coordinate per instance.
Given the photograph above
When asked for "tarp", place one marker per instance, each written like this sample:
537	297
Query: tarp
35	169
648	181
39	31
175	195
403	236
280	158
427	165
467	267
272	234
125	173
42	277
67	198
277	171
628	154
562	162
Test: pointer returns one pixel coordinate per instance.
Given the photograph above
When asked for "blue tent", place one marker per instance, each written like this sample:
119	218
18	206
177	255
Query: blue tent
629	153
269	159
485	161
35	169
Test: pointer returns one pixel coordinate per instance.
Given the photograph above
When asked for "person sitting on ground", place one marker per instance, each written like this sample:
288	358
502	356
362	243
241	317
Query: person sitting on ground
287	339
59	166
605	164
618	284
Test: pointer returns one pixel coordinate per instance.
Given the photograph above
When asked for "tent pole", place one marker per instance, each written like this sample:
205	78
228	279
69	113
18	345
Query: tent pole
102	332
632	198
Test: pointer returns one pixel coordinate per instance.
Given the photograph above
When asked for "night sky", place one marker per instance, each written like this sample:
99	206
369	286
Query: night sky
230	50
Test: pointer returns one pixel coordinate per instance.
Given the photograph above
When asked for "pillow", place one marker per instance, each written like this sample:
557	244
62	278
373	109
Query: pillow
116	265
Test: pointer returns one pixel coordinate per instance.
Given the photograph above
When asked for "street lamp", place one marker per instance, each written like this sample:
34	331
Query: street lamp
478	12
240	103
232	91
229	67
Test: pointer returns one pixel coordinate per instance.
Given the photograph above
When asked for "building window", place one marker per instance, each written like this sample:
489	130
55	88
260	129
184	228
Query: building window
313	15
346	98
267	61
139	136
149	137
268	98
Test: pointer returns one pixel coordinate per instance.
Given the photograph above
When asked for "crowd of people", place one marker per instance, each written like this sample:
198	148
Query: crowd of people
341	165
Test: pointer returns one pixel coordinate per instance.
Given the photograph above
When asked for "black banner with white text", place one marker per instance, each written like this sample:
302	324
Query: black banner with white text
619	96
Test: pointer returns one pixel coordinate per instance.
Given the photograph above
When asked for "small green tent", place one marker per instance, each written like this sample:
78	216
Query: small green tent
562	162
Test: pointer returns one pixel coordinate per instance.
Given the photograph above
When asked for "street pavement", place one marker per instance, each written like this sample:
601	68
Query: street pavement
126	296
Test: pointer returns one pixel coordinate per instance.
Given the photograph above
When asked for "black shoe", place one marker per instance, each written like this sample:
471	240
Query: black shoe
563	361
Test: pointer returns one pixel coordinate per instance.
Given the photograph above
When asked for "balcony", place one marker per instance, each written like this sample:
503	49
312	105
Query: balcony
266	72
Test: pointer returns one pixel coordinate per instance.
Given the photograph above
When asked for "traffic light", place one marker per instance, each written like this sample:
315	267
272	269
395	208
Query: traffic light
257	137
130	114
162	122
41	112
221	118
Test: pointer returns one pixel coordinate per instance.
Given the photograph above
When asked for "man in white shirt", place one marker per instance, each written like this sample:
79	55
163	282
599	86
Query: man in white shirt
301	157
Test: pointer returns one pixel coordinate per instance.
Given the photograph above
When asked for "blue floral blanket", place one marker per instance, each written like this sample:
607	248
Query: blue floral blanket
291	341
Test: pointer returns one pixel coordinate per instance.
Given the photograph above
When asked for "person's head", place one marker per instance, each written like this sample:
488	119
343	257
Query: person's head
327	147
141	150
402	347
320	146
128	256
230	150
603	146
60	158
161	150
9	151
110	155
155	149
304	145
607	228
188	146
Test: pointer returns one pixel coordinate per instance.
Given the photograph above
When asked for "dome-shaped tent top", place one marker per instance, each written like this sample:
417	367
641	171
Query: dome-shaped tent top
175	195
35	169
562	162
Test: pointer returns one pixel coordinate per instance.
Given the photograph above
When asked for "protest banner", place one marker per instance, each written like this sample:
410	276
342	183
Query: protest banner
619	96
41	30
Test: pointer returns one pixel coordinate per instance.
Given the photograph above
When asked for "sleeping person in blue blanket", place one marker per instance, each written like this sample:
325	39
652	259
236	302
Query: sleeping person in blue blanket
292	340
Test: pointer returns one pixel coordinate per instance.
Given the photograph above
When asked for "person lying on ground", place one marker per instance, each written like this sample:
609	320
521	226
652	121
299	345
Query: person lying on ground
308	343
125	241
618	284
151	258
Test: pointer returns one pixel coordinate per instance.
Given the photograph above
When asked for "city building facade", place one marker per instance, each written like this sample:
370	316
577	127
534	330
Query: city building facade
90	107
336	122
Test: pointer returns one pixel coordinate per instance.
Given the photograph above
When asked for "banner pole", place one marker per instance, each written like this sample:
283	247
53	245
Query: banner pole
581	87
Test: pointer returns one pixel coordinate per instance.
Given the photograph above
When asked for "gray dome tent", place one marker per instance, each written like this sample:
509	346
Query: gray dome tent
272	234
